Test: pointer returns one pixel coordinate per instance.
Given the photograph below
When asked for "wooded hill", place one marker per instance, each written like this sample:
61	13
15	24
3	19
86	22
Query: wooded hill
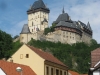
76	56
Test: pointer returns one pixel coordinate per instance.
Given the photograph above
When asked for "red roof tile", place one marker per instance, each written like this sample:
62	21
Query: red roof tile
73	72
95	57
10	68
46	56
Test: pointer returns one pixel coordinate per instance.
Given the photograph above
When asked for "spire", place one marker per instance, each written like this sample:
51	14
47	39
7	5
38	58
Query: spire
88	26
63	11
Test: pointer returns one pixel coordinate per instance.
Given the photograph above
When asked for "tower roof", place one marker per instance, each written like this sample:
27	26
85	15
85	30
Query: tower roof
63	11
62	17
25	29
88	26
39	4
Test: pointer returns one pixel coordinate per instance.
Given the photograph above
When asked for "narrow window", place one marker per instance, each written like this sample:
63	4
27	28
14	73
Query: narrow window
57	72
21	56
51	71
27	55
65	73
32	23
32	30
47	70
60	72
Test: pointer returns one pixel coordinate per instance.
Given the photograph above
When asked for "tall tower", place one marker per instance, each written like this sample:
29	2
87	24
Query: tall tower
38	16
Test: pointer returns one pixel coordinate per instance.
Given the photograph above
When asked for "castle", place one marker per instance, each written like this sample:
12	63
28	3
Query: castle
65	31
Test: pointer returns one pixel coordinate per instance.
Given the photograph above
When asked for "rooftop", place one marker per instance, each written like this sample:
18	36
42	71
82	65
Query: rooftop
25	29
46	56
9	68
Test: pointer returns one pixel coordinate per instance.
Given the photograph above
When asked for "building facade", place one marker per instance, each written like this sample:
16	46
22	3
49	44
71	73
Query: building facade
66	30
42	63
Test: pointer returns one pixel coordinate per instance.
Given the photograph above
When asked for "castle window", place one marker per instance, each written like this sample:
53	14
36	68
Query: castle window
38	16
22	37
32	30
73	38
63	32
32	23
27	55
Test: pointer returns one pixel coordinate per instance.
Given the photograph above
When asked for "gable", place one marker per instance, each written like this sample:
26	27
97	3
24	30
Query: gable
23	51
2	72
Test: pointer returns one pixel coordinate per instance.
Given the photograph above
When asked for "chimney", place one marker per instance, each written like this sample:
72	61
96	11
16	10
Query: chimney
4	59
11	60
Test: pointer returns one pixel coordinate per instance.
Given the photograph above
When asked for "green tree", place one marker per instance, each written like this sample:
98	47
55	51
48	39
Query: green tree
5	43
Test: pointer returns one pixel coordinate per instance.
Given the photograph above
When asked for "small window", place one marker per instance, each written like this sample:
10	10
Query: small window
22	37
32	30
27	55
21	56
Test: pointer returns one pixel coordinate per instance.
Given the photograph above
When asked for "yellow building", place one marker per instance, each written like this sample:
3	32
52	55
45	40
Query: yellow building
42	63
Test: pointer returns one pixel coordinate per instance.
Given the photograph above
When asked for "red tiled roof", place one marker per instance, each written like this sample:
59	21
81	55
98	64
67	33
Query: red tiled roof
46	56
10	68
95	57
73	72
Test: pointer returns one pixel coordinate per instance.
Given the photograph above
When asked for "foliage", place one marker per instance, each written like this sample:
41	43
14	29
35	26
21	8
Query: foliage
7	46
5	43
15	37
75	56
46	31
49	29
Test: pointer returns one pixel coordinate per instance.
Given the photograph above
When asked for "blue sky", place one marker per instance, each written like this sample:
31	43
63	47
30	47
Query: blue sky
13	13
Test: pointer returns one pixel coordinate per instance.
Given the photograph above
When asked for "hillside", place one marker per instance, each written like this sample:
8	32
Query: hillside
76	56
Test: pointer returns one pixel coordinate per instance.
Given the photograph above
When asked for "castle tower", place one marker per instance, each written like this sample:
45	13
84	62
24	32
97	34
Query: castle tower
38	16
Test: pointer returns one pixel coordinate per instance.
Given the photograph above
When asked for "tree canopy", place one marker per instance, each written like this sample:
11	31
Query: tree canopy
5	43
